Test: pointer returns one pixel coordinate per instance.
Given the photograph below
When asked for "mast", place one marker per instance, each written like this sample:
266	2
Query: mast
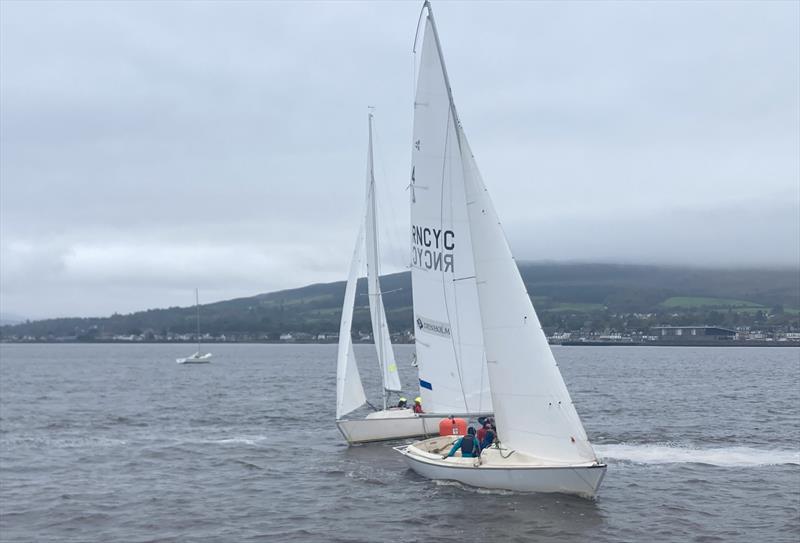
197	309
377	334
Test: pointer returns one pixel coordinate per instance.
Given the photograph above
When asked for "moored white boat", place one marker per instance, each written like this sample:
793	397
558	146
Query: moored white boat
541	443
198	357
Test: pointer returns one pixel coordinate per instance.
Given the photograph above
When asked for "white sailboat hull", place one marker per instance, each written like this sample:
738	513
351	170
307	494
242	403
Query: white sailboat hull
516	472
196	358
387	425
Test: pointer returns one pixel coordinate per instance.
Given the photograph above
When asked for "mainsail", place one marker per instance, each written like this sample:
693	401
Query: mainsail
380	328
533	410
449	339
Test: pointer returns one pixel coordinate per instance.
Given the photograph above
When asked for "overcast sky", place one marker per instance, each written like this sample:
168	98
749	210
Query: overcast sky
151	147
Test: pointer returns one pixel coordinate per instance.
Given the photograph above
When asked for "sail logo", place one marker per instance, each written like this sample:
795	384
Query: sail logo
433	327
432	248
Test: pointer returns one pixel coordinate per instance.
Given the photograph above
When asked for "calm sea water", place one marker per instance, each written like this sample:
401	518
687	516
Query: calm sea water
119	443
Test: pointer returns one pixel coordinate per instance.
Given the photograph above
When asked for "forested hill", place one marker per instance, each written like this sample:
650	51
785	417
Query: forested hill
567	297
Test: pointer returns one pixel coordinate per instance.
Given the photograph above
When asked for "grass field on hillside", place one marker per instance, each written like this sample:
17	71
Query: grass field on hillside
576	306
698	301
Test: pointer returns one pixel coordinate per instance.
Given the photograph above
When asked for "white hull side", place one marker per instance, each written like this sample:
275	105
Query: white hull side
581	480
195	359
387	428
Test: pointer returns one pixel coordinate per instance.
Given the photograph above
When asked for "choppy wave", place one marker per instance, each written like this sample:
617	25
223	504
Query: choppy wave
61	443
236	440
265	461
675	454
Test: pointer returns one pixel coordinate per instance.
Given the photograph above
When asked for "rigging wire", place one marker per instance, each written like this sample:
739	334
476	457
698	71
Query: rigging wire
386	206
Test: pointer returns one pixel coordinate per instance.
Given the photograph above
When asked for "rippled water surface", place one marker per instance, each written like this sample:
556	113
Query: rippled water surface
119	443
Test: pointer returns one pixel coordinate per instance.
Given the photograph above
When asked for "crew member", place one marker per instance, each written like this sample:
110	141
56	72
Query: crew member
403	403
418	405
485	425
470	448
488	437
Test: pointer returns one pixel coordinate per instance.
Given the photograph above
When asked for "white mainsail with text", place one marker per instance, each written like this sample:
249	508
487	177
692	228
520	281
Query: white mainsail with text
447	327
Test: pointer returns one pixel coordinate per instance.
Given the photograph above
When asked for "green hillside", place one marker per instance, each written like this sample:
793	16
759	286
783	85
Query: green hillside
567	297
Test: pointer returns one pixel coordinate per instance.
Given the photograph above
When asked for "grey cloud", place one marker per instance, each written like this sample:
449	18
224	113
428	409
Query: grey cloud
150	147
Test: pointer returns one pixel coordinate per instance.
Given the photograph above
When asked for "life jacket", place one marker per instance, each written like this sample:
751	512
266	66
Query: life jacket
469	445
418	408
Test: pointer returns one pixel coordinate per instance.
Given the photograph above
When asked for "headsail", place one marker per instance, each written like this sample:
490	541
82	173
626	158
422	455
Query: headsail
380	327
349	391
533	409
449	338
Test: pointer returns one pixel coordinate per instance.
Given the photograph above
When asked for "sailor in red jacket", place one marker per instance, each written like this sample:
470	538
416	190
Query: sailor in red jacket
418	405
482	431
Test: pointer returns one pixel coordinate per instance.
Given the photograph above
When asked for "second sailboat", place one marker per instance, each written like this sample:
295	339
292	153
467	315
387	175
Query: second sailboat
389	422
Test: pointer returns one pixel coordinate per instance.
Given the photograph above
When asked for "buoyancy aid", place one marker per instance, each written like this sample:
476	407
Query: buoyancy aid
469	445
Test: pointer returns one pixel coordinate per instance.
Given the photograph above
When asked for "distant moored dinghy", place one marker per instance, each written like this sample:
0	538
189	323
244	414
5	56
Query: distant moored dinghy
542	446
198	357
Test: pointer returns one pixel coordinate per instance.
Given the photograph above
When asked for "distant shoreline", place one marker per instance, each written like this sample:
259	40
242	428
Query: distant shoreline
680	344
563	343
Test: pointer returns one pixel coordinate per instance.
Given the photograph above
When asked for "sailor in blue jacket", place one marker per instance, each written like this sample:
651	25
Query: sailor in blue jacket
470	448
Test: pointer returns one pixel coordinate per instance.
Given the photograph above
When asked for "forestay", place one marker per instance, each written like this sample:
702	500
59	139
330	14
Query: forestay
449	339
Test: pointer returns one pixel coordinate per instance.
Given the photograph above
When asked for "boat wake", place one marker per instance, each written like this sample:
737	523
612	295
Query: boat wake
239	440
675	454
492	491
